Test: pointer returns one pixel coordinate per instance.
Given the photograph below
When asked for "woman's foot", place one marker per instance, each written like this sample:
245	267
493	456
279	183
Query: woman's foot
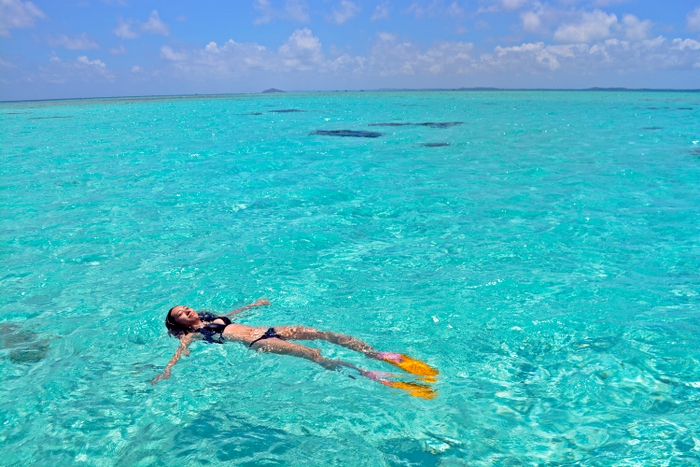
414	389
377	375
391	357
408	364
334	365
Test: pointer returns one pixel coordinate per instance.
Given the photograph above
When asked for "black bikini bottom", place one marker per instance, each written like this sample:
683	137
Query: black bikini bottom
269	334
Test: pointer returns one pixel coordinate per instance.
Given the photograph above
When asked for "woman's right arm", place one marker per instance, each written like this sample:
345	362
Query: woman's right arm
258	302
184	342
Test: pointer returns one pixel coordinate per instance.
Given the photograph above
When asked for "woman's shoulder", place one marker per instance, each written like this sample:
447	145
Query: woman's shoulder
212	318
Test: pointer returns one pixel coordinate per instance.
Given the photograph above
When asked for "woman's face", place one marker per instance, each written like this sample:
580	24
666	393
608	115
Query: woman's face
184	315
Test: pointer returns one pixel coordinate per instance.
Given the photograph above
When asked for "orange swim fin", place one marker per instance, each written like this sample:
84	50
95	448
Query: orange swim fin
408	364
416	390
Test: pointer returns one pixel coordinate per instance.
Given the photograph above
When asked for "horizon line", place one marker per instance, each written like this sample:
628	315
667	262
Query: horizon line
478	88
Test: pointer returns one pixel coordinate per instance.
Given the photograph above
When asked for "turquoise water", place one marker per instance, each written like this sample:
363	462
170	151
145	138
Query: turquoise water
546	262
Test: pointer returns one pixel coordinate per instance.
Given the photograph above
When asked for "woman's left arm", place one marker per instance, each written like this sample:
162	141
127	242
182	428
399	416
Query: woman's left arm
258	302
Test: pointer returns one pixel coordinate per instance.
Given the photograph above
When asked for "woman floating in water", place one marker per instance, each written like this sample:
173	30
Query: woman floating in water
188	325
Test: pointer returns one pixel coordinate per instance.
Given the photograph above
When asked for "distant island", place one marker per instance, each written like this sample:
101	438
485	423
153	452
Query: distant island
271	90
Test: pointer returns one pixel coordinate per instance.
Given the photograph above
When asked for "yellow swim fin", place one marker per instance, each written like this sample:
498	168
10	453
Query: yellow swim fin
408	364
416	390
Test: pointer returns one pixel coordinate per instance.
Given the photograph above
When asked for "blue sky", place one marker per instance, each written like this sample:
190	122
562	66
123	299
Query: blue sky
91	48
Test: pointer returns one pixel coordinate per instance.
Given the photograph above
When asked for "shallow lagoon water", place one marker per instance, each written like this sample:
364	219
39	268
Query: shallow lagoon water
545	258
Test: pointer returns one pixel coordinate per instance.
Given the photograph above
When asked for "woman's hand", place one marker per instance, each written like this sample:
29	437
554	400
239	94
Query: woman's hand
164	375
258	302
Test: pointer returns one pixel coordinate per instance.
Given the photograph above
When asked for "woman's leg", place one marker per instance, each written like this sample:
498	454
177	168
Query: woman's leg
281	347
309	334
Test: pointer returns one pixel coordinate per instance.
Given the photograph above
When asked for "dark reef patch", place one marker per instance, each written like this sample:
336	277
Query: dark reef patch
253	113
407	451
684	108
25	346
350	133
441	124
286	111
47	118
428	124
67	184
653	128
435	145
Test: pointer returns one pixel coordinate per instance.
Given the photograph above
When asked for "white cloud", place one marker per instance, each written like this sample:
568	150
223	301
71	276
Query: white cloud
420	11
605	3
227	61
167	53
16	14
297	10
130	29
344	11
82	42
513	4
598	25
83	60
381	11
154	25
680	44
532	57
693	20
124	29
59	71
121	50
611	54
136	69
294	10
509	5
302	51
390	56
592	27
266	10
455	11
531	21
635	29
7	64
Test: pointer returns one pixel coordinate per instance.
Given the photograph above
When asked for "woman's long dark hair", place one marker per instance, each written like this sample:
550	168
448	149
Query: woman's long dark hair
176	329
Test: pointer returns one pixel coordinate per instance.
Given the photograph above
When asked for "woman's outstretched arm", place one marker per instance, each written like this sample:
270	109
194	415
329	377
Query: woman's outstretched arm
258	302
184	342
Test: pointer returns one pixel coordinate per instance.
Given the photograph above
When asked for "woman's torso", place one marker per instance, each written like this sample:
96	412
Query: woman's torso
232	331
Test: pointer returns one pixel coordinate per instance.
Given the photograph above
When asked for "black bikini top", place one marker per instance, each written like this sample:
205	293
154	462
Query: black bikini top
211	329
